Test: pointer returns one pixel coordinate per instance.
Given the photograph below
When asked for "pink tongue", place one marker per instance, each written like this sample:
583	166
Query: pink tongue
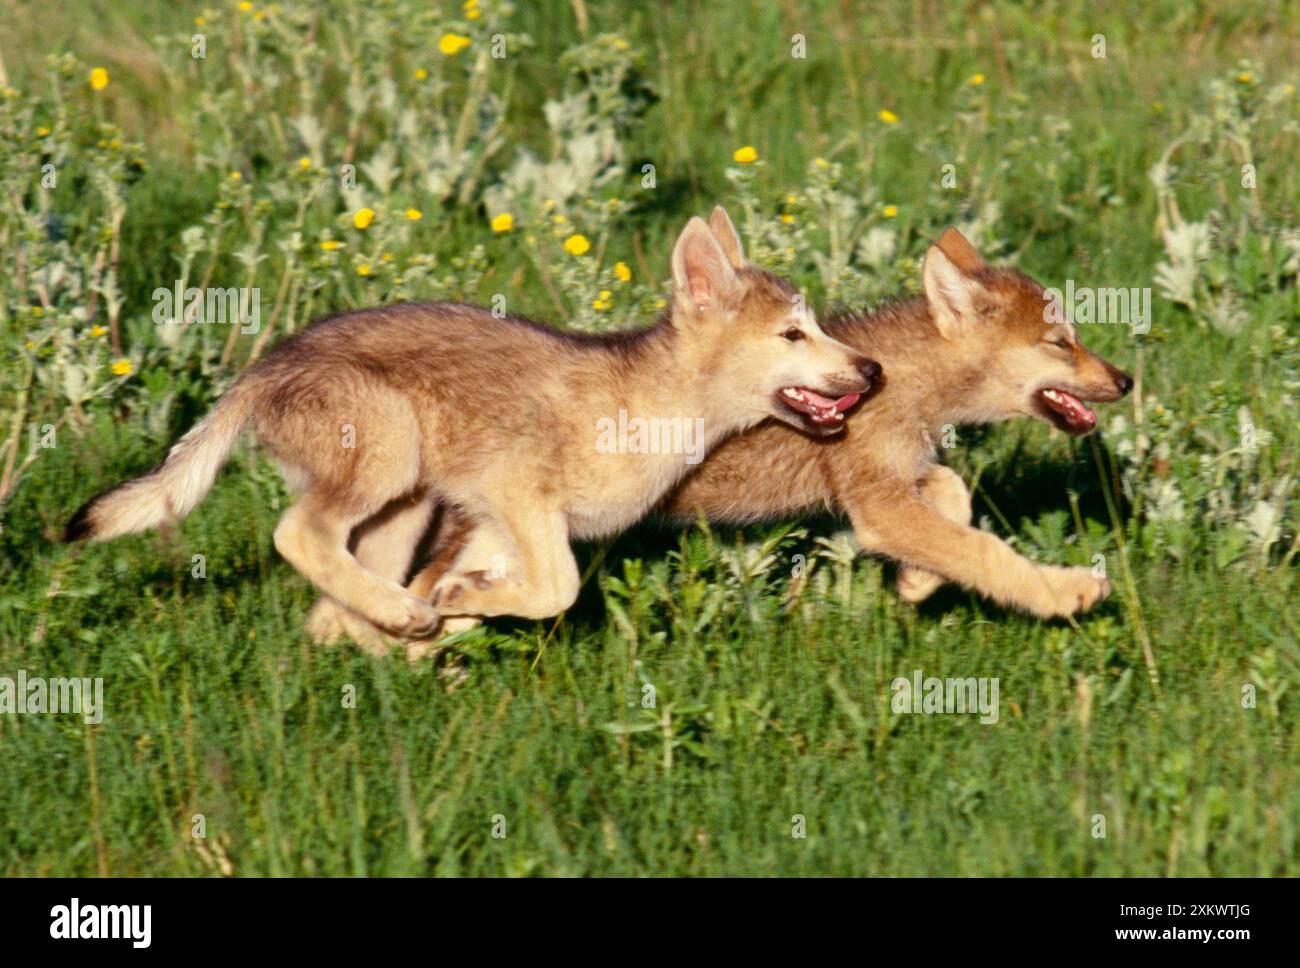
826	403
1078	413
846	401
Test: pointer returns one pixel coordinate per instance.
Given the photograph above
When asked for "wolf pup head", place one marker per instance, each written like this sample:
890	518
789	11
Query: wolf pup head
756	339
1031	364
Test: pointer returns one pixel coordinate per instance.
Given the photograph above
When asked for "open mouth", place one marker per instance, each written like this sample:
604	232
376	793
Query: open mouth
816	408
1065	411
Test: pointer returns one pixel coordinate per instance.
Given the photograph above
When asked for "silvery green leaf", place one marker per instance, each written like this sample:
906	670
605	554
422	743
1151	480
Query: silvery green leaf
310	132
877	247
382	169
74	380
192	239
248	256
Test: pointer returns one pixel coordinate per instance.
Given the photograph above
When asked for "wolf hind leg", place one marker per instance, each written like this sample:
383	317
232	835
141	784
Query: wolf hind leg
518	562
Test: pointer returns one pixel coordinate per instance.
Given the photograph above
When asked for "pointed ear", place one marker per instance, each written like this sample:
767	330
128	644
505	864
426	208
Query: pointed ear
702	275
960	251
950	291
720	222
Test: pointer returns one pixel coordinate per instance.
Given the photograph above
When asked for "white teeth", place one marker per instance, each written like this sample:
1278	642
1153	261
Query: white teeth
837	415
1053	395
792	393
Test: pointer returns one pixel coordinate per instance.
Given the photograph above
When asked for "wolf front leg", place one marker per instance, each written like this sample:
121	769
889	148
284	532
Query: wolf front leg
313	534
943	489
384	545
898	524
534	574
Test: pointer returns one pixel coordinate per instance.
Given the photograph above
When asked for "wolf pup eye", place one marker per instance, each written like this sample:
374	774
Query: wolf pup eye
793	334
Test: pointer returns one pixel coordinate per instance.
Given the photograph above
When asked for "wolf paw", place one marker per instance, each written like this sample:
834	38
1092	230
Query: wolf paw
324	622
418	650
451	591
329	623
407	615
1074	590
367	637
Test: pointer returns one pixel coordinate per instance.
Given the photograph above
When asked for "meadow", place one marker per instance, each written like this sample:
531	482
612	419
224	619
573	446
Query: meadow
719	702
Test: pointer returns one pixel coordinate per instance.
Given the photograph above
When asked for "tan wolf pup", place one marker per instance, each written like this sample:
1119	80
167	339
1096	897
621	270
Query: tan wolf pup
377	416
976	348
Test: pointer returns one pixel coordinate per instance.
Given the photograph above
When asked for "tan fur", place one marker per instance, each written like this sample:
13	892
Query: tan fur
975	350
378	416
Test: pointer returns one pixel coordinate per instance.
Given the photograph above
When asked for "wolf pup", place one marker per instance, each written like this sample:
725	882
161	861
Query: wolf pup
978	348
377	416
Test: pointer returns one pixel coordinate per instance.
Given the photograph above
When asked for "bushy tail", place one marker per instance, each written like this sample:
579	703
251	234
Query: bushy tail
173	488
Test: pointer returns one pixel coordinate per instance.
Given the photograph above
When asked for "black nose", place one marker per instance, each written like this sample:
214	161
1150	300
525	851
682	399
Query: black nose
869	369
1124	382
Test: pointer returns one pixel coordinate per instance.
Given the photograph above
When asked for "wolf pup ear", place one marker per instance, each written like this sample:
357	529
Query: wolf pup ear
960	251
950	289
728	238
702	274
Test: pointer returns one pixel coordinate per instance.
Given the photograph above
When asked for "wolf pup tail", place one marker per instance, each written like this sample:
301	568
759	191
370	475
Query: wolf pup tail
173	488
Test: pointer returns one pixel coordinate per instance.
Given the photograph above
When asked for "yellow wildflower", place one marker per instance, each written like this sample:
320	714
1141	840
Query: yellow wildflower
577	245
503	222
98	79
363	218
452	44
622	272
746	155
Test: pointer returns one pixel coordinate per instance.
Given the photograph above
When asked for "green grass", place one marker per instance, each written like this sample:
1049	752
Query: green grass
217	704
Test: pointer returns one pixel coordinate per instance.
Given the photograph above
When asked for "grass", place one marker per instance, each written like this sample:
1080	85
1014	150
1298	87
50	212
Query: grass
217	704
